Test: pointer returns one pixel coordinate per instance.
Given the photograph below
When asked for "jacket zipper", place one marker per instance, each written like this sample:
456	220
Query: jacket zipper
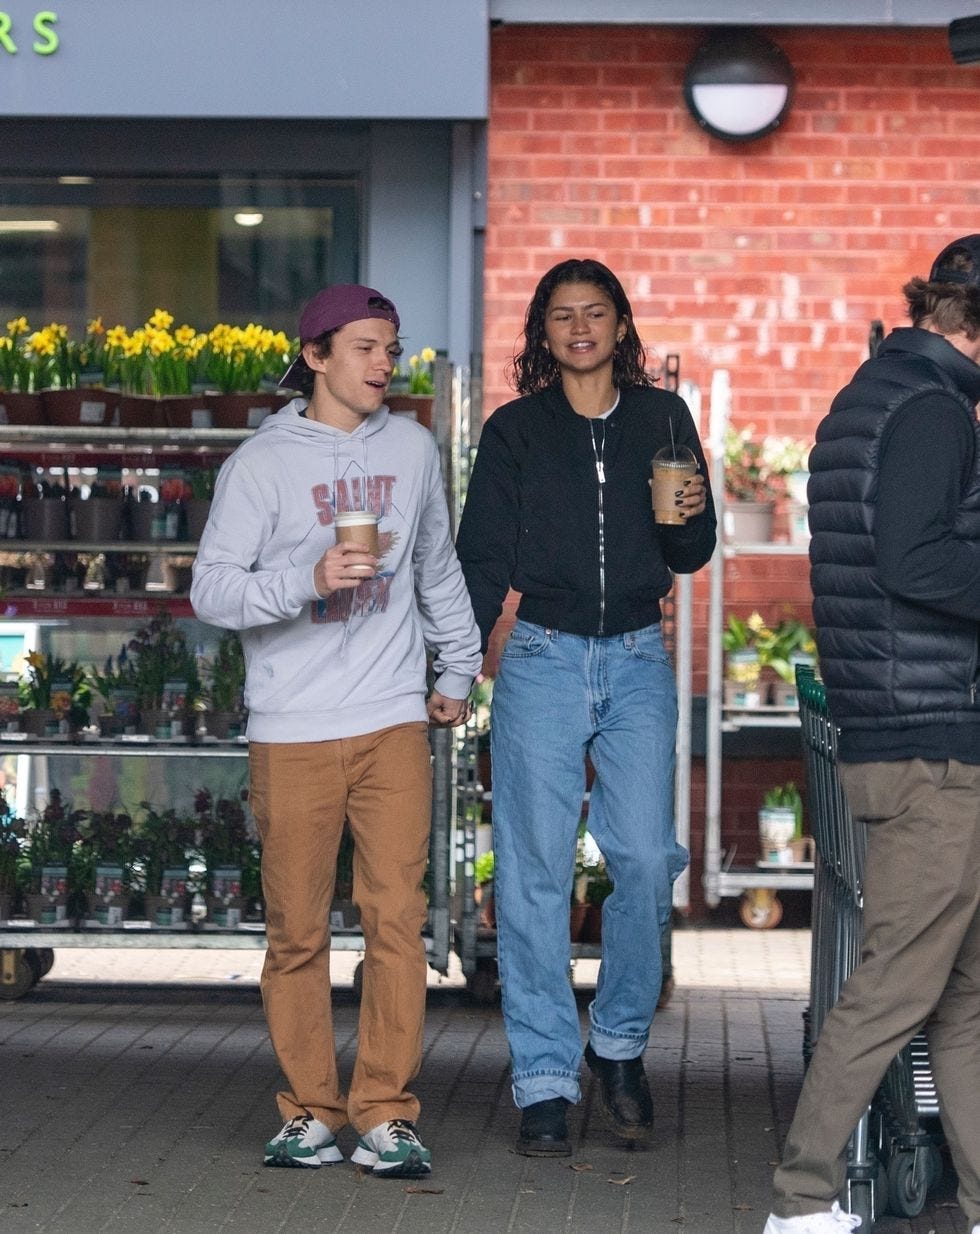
600	470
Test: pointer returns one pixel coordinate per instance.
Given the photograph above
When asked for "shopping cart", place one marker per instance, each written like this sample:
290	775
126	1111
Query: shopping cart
893	1155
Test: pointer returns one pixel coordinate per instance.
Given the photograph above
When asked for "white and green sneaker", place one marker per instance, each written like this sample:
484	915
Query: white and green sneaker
393	1150
304	1141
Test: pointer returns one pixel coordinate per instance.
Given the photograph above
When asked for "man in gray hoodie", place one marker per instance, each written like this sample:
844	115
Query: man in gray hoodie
335	642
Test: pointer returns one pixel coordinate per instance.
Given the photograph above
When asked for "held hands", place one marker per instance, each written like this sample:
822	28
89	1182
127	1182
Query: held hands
691	497
343	566
447	712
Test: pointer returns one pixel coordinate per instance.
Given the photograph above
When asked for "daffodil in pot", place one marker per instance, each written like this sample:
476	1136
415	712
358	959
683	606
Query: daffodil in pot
20	403
242	366
71	384
54	696
412	391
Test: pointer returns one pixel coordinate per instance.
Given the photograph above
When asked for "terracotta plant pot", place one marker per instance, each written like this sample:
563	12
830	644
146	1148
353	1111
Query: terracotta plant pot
17	408
415	406
140	411
185	411
91	407
244	410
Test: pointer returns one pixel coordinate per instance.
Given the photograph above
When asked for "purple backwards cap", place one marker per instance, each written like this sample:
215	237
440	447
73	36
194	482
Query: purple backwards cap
959	262
330	309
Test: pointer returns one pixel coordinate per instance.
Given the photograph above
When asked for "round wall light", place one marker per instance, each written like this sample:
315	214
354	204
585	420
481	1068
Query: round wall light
739	85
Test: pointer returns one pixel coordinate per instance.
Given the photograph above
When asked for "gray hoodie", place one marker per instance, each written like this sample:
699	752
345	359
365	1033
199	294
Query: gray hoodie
355	662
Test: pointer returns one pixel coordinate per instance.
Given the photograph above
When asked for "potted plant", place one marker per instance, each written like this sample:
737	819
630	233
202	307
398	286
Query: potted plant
789	459
788	644
750	488
54	695
13	834
743	663
115	686
162	843
51	849
226	843
165	677
105	868
412	392
68	377
20	402
224	687
243	365
780	823
483	888
599	888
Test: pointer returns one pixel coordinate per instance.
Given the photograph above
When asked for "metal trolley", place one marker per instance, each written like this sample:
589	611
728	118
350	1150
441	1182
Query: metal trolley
893	1155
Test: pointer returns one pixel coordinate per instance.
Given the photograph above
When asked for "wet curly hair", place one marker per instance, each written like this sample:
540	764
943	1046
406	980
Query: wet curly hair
534	368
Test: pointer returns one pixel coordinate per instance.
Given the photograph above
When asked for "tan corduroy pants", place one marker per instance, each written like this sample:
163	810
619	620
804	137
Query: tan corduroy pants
300	794
920	967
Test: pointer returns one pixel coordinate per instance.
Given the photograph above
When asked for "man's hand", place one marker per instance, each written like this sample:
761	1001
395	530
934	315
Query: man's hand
343	566
447	712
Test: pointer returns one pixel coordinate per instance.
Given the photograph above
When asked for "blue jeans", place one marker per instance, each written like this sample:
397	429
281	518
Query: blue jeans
557	698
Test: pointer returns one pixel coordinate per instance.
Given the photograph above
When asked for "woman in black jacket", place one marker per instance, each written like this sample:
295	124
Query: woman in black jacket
559	508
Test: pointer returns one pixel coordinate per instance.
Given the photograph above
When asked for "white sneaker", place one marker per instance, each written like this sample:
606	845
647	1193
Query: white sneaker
814	1223
304	1141
393	1150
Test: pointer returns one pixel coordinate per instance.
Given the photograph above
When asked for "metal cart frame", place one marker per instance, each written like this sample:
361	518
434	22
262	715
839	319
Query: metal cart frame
893	1154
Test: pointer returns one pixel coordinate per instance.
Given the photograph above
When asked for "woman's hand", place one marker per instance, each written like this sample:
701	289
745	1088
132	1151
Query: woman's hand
691	497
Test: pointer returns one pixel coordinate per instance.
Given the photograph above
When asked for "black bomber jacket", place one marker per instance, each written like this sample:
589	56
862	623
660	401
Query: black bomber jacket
587	557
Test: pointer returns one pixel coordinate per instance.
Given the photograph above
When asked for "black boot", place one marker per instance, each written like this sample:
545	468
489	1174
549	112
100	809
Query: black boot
544	1132
625	1093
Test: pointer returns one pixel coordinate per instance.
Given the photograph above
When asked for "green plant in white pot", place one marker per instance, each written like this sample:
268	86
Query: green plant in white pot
780	823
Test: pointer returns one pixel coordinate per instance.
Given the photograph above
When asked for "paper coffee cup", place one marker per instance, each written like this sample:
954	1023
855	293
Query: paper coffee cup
358	527
671	467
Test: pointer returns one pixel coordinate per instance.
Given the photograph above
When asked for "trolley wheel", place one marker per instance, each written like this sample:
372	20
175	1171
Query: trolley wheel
44	957
483	984
20	971
909	1176
357	980
760	909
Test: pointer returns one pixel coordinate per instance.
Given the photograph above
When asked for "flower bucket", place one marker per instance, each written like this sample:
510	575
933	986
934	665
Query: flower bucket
197	510
44	518
748	522
91	407
17	408
97	519
246	410
186	411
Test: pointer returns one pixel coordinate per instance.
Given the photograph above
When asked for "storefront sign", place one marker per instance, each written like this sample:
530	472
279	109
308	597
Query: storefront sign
40	37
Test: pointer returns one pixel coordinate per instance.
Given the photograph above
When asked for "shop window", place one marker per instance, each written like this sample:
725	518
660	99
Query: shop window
207	249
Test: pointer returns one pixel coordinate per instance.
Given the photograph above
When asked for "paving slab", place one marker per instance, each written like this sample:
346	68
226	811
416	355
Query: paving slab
142	1105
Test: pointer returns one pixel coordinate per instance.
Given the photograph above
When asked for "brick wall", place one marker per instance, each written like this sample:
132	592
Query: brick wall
769	259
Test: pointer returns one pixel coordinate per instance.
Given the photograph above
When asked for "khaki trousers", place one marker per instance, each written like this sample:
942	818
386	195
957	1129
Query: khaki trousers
920	967
301	794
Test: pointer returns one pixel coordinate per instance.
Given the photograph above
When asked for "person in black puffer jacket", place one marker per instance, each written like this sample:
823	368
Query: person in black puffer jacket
895	569
559	507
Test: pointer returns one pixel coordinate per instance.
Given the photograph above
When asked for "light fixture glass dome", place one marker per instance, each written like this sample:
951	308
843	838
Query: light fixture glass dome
739	84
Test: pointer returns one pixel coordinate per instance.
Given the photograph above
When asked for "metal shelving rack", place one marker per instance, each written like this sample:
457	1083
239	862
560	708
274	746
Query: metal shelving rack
722	878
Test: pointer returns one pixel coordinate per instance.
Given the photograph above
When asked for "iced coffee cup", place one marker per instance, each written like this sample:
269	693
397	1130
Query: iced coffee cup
358	527
671	467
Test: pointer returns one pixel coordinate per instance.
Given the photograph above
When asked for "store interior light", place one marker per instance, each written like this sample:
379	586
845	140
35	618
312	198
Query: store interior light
75	180
248	218
10	225
739	84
